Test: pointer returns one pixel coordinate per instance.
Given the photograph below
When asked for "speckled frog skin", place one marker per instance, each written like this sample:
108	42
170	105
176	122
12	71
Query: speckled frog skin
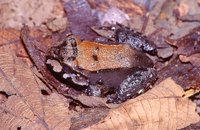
119	71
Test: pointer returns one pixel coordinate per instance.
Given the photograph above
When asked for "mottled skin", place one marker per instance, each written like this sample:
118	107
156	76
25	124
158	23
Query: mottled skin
117	71
124	35
134	85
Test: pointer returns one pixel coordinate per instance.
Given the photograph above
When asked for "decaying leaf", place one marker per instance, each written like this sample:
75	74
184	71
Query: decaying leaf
186	75
80	13
188	47
25	106
188	11
161	107
88	117
15	13
10	38
193	59
190	43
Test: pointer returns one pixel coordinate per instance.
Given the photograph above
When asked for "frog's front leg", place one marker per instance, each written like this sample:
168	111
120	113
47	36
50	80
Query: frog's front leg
65	73
134	85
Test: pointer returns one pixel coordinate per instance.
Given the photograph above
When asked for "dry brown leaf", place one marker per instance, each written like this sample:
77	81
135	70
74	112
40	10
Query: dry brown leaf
127	5
11	39
193	59
88	117
161	107
16	13
59	24
186	75
183	9
190	92
25	106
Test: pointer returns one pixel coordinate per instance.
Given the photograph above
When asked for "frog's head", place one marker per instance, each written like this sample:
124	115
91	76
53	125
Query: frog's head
66	51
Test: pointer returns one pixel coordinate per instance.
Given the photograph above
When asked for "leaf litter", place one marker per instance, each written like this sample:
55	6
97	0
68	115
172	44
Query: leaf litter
28	101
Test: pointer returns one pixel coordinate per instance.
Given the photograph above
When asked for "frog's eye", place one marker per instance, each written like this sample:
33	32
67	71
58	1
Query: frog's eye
68	49
72	41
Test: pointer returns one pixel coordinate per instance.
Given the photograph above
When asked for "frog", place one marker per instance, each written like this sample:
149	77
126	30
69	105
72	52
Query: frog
117	71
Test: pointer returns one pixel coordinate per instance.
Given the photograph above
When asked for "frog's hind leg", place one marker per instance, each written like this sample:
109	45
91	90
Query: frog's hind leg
134	85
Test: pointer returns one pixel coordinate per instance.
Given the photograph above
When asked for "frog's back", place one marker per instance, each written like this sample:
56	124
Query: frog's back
94	56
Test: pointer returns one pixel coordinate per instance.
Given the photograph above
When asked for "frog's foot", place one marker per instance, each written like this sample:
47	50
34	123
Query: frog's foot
134	85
